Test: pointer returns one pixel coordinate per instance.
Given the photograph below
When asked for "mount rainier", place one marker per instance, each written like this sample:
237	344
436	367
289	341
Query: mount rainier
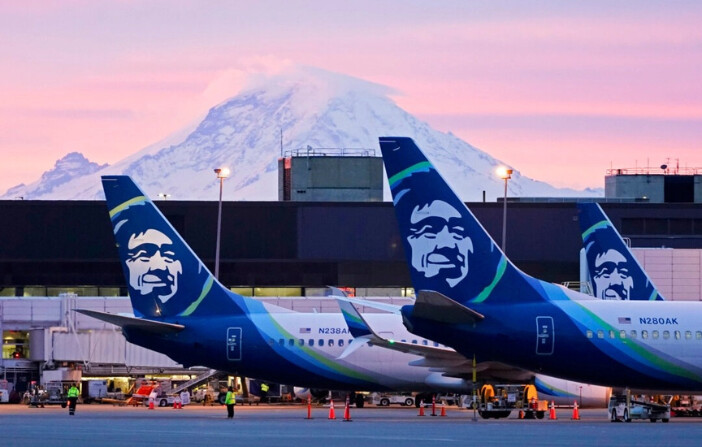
311	107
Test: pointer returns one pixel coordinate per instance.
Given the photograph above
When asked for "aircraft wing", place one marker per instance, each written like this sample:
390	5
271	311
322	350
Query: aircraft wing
155	327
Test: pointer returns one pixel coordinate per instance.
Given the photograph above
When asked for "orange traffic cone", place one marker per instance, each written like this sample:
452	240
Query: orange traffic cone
443	410
309	407
331	410
421	408
552	412
151	404
576	413
347	411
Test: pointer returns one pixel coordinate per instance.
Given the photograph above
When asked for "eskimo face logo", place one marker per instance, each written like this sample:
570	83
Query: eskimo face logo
611	277
152	264
439	242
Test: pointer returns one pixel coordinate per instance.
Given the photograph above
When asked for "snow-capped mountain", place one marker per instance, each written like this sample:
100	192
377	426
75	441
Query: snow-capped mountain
311	107
73	165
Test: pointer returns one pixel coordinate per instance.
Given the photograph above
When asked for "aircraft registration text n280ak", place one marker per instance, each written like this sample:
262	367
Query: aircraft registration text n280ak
471	297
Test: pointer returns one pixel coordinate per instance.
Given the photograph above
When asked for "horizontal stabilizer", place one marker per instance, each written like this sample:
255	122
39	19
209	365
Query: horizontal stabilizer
155	327
425	351
431	305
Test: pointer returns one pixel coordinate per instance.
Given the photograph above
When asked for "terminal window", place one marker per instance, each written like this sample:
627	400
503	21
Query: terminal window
15	344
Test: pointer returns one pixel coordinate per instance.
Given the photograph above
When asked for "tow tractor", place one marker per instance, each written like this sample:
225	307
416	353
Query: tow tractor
498	401
624	408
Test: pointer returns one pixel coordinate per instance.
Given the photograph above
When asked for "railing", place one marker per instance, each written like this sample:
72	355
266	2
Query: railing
650	170
310	151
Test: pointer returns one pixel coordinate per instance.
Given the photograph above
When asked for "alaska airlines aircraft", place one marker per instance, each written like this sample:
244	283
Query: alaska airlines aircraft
184	312
448	362
472	298
614	272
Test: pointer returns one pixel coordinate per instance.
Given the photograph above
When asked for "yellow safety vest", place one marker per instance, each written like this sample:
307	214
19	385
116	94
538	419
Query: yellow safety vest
73	392
230	398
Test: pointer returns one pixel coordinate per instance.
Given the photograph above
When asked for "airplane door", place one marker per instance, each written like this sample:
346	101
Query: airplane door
234	343
544	335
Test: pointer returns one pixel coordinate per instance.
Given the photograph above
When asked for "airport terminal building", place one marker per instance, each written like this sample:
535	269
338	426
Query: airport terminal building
56	256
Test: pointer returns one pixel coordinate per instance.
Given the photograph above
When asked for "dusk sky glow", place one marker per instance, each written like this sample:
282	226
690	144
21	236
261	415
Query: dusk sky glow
561	91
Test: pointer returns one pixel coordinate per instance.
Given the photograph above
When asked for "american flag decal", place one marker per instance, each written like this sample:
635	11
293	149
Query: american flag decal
305	330
624	320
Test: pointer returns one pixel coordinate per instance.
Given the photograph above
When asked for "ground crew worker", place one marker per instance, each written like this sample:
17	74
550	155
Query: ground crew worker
230	401
72	399
264	391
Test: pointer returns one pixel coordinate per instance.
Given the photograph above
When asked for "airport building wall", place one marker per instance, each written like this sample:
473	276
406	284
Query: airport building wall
48	248
677	273
331	178
654	188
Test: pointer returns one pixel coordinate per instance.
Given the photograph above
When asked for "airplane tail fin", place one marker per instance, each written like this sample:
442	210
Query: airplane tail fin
614	271
449	252
164	276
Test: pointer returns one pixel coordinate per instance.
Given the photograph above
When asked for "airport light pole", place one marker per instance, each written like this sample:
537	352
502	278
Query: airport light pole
504	174
221	173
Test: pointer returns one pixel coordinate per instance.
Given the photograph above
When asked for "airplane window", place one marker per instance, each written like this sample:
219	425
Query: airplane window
600	334
644	334
301	342
688	335
633	334
666	335
291	342
436	344
310	342
677	335
588	333
271	341
331	342
654	334
281	342
698	335
320	342
350	341
341	342
611	334
622	334
425	343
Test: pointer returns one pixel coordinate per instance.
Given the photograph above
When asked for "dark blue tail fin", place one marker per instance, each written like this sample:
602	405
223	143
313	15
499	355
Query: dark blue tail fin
448	250
164	276
614	271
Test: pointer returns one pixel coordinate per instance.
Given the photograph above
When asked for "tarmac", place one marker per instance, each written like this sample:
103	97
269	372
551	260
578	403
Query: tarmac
278	425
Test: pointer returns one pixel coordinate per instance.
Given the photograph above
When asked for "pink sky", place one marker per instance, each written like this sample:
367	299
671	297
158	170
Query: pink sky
562	91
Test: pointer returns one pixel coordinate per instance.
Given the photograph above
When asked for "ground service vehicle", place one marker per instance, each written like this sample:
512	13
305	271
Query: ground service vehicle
498	401
385	400
624	408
